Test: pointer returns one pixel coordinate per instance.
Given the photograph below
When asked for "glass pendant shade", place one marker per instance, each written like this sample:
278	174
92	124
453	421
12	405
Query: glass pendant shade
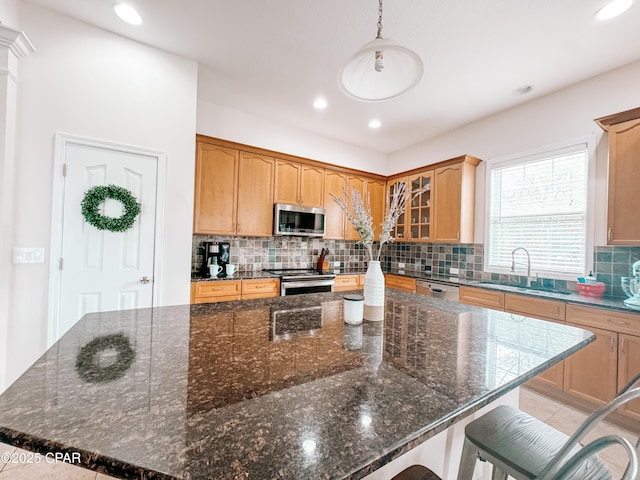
381	70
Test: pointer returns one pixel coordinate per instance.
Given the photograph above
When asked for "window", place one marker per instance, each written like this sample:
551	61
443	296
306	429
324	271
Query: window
540	203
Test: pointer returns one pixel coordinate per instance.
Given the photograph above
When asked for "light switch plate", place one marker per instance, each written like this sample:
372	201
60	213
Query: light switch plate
453	271
400	265
28	255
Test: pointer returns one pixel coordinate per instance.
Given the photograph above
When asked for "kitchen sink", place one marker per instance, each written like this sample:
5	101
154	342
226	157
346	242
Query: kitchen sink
514	287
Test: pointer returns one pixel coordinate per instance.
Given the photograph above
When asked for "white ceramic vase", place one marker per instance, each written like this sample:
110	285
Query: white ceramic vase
374	292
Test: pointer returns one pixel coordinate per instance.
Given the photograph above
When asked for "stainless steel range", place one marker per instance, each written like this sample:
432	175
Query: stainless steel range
296	281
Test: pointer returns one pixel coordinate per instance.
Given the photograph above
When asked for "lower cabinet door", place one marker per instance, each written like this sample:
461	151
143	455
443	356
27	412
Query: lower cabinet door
628	367
590	374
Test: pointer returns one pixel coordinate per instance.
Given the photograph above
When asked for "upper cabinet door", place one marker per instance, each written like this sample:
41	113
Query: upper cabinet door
447	201
334	220
357	183
399	232
623	226
311	186
216	189
255	195
287	182
375	189
419	208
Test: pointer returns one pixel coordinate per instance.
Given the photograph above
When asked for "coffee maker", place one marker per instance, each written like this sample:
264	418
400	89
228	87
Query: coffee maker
224	257
210	254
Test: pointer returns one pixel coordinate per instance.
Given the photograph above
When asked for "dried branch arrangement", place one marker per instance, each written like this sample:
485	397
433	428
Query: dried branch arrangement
358	211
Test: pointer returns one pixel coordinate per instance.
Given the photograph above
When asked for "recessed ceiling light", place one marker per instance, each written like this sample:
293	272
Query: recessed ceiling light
613	9
375	123
127	13
320	103
525	89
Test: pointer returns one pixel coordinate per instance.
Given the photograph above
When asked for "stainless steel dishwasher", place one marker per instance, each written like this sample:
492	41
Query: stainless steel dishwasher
438	290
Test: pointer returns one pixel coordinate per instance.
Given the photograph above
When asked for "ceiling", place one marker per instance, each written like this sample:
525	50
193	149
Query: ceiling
272	58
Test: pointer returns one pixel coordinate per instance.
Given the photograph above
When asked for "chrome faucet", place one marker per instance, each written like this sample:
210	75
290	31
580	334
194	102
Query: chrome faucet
513	263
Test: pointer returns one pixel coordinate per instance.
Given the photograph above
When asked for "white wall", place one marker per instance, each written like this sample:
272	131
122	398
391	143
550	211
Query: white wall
236	126
10	13
544	122
88	82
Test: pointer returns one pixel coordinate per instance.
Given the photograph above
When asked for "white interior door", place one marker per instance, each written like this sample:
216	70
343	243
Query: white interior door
103	270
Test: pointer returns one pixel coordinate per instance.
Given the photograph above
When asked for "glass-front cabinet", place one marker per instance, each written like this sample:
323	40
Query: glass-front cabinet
399	232
419	210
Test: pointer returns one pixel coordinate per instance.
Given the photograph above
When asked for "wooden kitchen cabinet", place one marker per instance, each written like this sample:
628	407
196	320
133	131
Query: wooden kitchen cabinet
590	374
482	298
399	282
359	184
347	282
260	288
215	291
334	220
255	195
623	130
299	184
628	367
399	231
550	310
419	208
216	189
445	212
613	360
376	190
534	307
454	201
229	290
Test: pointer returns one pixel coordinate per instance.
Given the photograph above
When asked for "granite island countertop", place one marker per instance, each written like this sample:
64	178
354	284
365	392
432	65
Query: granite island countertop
270	388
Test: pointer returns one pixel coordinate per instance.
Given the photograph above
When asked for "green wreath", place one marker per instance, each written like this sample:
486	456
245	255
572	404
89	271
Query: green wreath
97	195
87	363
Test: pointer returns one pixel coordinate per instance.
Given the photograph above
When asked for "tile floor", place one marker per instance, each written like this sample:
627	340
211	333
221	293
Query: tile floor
559	416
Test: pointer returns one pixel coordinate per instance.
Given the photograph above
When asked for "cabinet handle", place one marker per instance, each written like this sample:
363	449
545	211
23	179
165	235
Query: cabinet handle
609	232
612	344
618	322
458	235
622	345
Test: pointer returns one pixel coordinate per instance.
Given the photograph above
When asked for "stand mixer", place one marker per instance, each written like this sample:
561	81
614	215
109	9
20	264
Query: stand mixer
631	286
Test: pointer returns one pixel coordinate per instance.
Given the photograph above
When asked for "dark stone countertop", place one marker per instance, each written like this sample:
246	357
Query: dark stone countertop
225	391
576	298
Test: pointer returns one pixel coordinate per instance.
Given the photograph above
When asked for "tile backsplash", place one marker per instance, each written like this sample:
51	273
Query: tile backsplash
256	253
613	263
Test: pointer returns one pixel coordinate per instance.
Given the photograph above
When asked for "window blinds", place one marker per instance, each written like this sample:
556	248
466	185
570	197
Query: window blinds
540	204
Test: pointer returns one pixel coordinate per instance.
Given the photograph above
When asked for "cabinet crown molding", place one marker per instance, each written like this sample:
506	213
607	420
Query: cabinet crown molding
605	122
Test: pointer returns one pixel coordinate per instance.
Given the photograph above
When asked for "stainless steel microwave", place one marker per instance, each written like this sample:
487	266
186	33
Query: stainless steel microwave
298	221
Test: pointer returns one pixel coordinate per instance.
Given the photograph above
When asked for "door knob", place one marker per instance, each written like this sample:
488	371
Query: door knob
144	280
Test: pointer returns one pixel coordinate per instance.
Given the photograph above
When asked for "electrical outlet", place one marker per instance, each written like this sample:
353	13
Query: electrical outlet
400	265
453	271
336	264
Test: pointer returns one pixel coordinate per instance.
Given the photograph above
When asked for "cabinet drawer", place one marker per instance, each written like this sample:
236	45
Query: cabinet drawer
400	283
346	282
482	298
602	318
216	290
534	307
261	288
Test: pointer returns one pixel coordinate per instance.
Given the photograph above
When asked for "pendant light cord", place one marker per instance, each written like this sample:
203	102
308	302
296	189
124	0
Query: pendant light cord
379	19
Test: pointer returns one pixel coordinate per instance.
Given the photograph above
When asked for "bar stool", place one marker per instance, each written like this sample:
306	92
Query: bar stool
416	472
525	448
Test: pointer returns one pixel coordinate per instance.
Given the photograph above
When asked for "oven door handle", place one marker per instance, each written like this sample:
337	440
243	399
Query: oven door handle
312	283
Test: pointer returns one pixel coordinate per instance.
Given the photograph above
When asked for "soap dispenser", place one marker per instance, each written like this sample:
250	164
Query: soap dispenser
590	278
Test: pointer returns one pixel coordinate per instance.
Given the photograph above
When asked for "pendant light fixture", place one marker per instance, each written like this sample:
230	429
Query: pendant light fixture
381	70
